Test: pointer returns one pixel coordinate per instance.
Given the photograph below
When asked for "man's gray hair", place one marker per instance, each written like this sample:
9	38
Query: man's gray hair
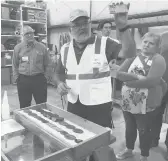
156	37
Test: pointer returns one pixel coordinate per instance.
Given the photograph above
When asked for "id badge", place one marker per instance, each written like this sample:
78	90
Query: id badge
97	61
39	53
25	58
149	62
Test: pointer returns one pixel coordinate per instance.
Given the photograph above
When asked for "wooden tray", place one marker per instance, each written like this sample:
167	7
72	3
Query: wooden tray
81	150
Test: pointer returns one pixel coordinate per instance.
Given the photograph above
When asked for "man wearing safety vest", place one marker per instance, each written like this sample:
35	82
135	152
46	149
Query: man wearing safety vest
86	79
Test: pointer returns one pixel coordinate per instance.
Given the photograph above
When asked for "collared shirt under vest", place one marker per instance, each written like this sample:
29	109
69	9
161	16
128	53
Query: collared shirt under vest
90	79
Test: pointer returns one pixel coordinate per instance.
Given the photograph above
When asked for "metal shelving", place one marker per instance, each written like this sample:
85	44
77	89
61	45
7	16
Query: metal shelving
9	5
31	22
10	23
8	28
33	8
4	51
10	36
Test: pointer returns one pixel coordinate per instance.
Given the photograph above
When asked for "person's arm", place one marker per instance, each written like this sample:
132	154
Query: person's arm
165	100
121	71
113	48
15	63
59	78
123	33
154	76
59	73
128	49
122	74
125	65
124	77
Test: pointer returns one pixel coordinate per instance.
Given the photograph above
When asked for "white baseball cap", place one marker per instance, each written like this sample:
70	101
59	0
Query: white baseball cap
78	13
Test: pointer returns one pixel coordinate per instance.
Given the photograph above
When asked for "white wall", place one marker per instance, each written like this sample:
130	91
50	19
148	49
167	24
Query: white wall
59	10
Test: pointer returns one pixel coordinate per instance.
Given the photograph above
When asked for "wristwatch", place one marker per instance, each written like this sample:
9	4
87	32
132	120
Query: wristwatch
125	28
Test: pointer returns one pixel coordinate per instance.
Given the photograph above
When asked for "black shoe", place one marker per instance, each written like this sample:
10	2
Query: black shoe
154	144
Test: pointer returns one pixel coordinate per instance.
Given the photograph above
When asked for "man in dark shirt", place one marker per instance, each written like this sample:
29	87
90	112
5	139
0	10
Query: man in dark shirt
81	102
30	65
105	27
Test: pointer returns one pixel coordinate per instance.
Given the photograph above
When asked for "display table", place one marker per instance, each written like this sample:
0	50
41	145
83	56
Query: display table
48	137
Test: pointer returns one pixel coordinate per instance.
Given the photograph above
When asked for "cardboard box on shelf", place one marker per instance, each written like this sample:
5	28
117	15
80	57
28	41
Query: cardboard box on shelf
5	13
5	76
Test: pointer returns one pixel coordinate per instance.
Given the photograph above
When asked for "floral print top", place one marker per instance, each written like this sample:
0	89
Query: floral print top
134	99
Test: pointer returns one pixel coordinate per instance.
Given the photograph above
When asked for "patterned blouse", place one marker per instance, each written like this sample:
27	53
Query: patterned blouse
134	99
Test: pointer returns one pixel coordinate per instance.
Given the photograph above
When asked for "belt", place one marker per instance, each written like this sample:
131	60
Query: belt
39	74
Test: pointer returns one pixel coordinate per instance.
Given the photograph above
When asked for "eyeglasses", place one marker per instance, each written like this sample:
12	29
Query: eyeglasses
79	25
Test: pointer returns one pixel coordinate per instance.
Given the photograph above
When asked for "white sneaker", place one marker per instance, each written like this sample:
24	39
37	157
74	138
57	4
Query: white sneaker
124	154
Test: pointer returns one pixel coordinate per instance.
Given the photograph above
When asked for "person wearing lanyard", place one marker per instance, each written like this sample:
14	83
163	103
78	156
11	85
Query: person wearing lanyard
142	93
30	64
87	81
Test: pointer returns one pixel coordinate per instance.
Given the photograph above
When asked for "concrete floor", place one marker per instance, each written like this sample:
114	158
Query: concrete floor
156	154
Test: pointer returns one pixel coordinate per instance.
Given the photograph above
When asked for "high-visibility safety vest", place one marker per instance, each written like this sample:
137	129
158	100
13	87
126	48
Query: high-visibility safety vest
90	79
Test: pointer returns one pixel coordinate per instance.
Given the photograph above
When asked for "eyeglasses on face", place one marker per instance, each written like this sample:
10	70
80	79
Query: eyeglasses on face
79	25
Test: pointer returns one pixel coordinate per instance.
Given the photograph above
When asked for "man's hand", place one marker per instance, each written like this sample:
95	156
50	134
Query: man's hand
15	80
113	68
121	15
113	65
62	88
128	83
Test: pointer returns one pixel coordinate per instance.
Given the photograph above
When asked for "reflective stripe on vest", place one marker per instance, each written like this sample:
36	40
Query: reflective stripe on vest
71	76
88	76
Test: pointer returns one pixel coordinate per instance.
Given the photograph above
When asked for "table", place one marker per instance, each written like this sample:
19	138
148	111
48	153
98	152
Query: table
37	144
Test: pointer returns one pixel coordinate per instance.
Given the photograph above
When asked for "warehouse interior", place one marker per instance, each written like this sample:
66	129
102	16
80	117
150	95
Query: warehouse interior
50	20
